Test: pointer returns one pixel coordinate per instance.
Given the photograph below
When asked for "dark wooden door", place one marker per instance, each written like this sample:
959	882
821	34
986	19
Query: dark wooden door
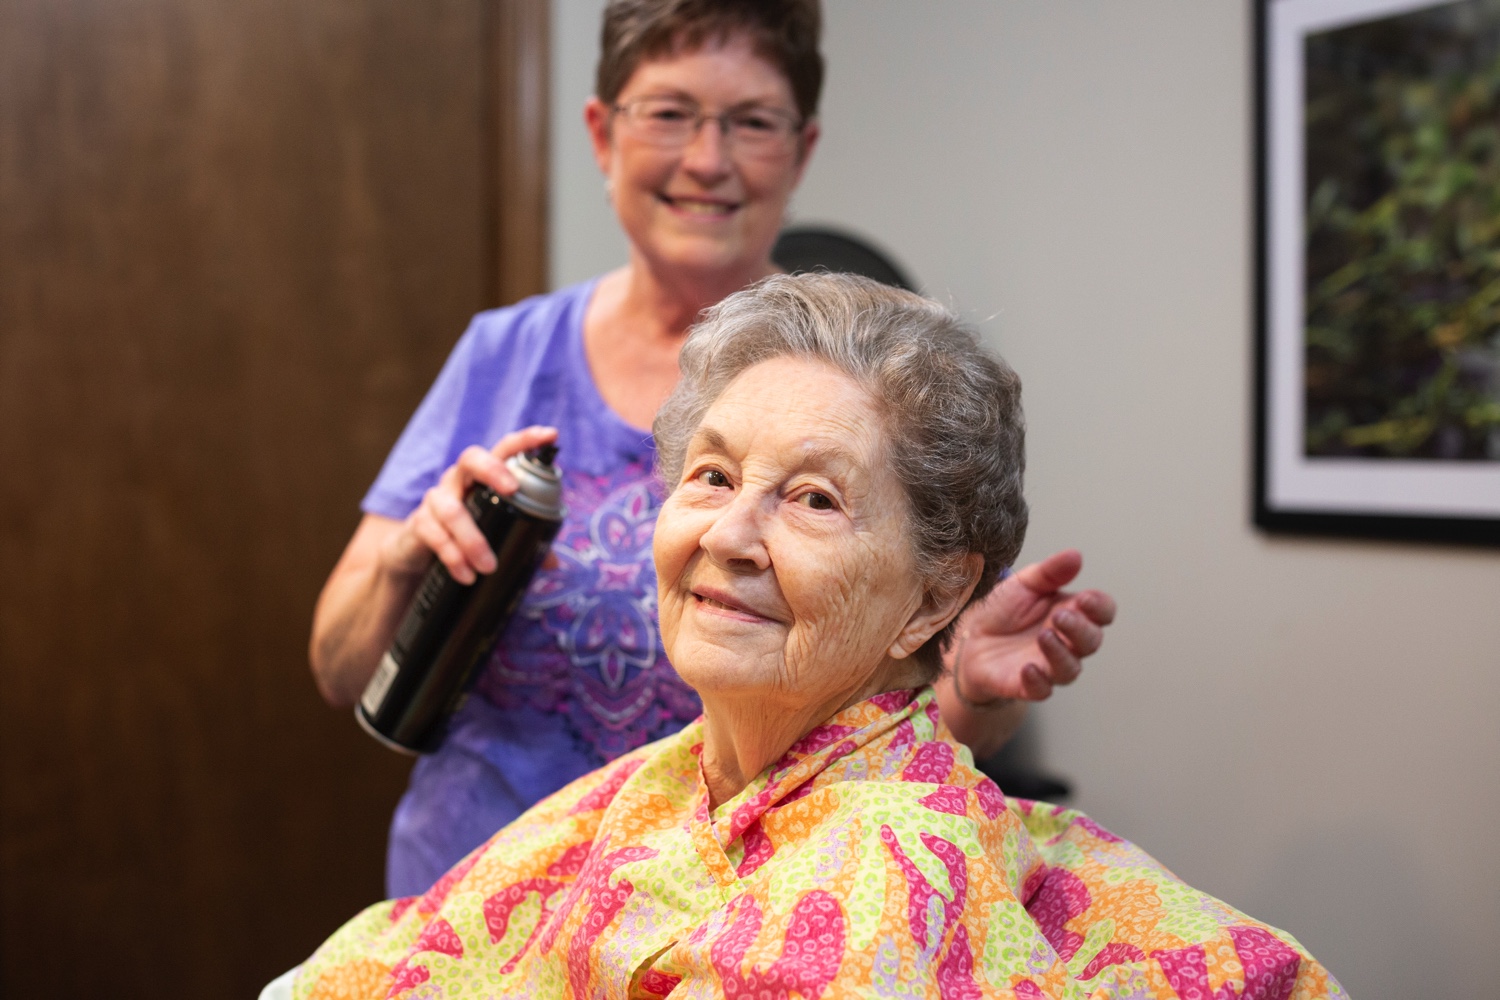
237	238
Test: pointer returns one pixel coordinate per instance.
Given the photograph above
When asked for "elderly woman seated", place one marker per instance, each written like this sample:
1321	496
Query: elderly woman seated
845	472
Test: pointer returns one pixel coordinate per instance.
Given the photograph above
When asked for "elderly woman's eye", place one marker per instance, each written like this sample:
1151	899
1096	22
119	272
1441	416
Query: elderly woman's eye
713	477
816	500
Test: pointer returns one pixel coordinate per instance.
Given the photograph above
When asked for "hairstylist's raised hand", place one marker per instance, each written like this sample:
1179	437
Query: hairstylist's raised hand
1029	634
1026	637
441	524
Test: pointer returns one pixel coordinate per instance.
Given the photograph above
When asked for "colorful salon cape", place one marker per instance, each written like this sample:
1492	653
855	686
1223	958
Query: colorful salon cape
872	860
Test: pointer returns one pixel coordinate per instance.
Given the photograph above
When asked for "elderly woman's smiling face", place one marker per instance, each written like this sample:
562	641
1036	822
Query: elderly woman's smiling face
785	572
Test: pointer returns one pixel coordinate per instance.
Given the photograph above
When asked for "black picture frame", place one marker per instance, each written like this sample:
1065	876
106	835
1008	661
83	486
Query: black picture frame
1423	499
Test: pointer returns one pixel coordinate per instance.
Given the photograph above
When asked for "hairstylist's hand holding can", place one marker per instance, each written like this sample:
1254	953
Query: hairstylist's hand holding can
442	526
371	587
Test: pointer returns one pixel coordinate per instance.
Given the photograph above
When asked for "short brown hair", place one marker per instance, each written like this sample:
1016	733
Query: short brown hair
785	33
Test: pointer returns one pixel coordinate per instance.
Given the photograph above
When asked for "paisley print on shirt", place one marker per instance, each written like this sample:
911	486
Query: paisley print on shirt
584	642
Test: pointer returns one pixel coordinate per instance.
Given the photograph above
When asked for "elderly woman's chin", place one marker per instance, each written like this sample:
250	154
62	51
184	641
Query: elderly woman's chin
761	673
723	685
729	660
725	663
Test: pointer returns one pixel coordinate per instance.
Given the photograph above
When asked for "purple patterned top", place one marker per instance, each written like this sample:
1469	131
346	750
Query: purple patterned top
578	676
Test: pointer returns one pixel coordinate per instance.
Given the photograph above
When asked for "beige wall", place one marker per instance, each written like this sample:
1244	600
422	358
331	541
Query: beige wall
1306	728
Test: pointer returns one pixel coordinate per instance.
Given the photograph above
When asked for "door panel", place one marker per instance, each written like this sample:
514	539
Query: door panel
237	239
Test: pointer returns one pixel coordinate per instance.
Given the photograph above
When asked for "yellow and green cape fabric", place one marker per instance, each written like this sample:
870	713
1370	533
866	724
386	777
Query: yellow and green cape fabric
871	861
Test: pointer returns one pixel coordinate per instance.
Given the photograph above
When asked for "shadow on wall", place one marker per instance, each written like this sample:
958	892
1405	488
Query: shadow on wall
1329	878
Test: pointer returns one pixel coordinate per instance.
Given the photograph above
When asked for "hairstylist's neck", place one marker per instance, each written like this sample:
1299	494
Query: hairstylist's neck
635	325
669	300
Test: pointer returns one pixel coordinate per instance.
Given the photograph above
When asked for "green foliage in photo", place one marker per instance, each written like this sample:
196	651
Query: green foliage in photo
1403	236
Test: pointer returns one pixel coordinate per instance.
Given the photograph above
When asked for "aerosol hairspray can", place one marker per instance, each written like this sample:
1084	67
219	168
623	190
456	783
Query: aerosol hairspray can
451	626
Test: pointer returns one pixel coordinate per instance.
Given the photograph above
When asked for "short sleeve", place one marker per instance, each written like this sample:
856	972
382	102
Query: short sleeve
488	387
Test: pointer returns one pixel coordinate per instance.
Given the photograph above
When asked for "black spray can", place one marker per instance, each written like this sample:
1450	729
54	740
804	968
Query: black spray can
451	626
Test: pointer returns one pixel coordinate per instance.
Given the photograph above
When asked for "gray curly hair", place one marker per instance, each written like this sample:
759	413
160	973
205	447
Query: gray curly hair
952	410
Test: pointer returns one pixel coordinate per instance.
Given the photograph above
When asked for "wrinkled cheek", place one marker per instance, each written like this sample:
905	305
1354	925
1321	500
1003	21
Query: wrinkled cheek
672	545
669	621
841	629
839	652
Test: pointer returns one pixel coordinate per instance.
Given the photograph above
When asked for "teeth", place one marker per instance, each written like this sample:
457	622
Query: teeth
700	207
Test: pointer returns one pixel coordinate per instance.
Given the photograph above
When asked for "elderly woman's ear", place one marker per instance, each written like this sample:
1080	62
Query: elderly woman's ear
946	597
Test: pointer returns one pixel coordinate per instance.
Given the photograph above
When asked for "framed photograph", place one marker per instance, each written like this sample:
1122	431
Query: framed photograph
1378	268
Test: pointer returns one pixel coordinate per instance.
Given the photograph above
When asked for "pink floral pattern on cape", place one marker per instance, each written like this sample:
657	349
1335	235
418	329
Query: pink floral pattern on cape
871	860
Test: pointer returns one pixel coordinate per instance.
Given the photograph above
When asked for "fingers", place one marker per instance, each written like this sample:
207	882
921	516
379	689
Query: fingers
1098	605
487	465
443	524
1035	686
432	533
480	465
1063	664
1062	667
1078	631
1052	573
523	440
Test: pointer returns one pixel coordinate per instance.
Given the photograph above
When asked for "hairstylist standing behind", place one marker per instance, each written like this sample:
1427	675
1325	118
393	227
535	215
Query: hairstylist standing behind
703	122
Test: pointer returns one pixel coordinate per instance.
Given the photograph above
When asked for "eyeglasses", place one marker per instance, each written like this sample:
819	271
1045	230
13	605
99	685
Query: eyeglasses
671	122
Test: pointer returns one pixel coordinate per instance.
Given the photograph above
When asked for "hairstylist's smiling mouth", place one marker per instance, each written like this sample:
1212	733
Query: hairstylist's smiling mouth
721	603
700	208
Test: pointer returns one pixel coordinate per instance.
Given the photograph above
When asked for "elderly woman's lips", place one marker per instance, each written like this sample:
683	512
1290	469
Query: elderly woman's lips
726	605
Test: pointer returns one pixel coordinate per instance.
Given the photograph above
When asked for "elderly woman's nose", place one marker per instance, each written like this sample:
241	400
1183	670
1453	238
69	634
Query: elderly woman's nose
736	539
